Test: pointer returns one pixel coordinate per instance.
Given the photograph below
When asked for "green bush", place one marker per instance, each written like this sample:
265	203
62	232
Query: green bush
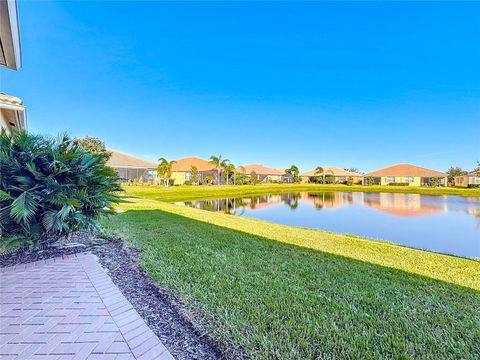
398	184
51	188
208	180
472	186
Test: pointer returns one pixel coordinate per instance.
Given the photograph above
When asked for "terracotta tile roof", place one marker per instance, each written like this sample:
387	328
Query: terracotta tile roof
119	159
405	170
10	99
331	170
260	170
186	163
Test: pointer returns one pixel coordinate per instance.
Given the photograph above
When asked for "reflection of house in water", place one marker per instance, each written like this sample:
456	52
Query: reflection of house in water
331	200
394	204
402	204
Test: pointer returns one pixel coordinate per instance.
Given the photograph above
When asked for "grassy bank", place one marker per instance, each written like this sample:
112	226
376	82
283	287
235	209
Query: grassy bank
183	193
274	291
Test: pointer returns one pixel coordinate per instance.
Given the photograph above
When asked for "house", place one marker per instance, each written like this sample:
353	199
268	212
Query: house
406	174
12	110
132	169
332	175
472	179
264	174
12	113
182	170
10	51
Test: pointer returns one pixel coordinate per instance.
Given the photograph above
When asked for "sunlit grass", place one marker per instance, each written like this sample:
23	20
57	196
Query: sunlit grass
183	193
274	291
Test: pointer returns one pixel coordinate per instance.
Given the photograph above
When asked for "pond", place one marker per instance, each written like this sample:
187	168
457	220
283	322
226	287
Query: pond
444	224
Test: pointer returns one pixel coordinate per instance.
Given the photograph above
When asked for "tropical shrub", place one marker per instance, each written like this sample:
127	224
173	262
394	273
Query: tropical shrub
208	180
434	182
329	180
51	188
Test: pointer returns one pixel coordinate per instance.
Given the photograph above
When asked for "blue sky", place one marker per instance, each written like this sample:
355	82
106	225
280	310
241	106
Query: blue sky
349	84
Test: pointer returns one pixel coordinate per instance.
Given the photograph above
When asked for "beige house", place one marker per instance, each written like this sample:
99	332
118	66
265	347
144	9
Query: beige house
182	170
469	180
406	174
12	110
264	174
332	175
12	113
131	169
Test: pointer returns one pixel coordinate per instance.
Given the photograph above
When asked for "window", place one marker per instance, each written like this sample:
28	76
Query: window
409	179
188	176
390	179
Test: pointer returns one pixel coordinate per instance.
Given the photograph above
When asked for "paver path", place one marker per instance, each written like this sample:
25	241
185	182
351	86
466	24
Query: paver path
69	308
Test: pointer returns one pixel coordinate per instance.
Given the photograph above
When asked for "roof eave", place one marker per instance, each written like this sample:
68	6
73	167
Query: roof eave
10	35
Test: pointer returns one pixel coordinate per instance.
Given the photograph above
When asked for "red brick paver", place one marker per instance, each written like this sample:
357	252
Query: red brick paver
69	308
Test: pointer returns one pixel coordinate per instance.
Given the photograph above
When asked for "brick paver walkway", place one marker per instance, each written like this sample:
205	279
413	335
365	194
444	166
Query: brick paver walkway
69	308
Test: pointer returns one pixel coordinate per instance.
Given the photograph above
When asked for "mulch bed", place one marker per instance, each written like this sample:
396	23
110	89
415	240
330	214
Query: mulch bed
165	315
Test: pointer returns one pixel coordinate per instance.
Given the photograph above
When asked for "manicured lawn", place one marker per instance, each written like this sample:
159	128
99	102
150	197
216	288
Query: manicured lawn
273	291
182	193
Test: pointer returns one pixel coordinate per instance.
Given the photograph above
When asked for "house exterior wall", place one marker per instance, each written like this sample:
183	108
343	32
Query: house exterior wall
461	181
178	177
3	121
417	180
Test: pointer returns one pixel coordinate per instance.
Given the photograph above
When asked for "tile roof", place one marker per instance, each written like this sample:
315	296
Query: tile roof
119	159
186	163
10	99
331	170
405	170
260	170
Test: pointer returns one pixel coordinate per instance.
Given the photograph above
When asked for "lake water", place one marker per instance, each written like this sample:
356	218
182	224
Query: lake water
444	224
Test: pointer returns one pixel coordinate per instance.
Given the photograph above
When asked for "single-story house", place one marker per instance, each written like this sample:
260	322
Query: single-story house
12	114
406	174
264	174
471	179
182	170
132	169
332	175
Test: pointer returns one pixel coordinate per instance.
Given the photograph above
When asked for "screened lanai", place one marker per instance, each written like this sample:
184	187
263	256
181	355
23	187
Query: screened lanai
132	169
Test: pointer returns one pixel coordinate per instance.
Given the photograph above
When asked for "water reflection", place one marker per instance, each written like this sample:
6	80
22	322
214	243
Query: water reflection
449	224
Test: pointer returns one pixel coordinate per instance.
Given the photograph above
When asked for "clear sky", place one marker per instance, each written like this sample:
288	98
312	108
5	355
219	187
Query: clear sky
349	84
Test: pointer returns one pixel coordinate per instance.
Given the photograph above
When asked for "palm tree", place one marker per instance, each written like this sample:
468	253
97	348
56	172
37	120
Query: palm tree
293	170
219	163
164	170
319	171
229	168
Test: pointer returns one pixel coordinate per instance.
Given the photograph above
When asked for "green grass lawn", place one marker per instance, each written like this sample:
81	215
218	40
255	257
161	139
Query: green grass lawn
183	193
276	292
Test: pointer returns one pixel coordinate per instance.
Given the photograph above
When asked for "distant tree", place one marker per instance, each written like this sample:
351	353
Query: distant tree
254	178
218	163
194	175
164	170
91	145
319	171
352	169
228	169
293	170
453	172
